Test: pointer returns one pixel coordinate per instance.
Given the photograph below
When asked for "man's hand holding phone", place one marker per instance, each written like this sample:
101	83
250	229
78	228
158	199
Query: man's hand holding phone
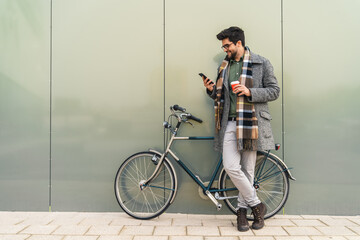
207	82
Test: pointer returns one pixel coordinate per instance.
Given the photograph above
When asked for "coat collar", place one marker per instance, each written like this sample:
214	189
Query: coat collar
255	58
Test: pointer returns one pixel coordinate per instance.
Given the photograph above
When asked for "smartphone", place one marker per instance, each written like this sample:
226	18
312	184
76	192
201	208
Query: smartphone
203	75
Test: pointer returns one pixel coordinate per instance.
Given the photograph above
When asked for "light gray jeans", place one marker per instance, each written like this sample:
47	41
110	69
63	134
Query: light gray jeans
240	167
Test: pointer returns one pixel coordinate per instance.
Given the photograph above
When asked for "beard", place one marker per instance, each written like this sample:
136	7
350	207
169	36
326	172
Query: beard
232	55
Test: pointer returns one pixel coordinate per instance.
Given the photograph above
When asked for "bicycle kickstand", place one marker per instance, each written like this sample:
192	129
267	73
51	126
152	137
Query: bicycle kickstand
212	198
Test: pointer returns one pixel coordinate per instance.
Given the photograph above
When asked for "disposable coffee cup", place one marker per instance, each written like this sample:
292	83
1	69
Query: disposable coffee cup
234	84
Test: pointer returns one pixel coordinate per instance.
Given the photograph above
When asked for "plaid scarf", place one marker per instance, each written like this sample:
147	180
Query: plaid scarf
246	121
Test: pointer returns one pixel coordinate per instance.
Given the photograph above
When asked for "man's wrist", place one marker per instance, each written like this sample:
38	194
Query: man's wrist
249	92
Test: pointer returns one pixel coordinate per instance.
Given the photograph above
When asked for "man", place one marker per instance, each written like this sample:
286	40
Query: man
242	118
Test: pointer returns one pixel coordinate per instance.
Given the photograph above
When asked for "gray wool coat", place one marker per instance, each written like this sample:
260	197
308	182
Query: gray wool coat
265	89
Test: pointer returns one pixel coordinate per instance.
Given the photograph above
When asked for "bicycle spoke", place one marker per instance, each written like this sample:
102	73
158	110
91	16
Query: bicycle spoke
155	197
132	179
270	199
147	203
157	200
268	171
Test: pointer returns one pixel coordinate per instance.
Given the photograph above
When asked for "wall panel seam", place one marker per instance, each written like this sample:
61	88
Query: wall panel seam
164	72
282	83
50	104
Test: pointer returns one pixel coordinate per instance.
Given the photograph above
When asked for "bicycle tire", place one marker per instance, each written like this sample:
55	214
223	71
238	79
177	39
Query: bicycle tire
272	185
155	198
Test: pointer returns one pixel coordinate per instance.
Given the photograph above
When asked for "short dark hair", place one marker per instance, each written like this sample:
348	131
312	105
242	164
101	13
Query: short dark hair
234	34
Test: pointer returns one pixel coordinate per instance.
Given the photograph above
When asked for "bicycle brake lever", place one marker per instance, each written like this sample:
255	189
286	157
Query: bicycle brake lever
189	123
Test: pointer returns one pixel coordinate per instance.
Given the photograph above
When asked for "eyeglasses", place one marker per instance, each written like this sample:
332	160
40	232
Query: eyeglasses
226	46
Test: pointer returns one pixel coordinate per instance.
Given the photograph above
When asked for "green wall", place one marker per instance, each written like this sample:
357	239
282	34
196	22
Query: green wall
86	83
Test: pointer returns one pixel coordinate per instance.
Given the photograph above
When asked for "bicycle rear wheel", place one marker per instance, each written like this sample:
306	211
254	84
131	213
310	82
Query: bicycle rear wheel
155	198
271	183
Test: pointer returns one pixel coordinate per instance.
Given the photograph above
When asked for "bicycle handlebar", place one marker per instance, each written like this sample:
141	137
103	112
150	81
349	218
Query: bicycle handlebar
195	118
178	108
189	116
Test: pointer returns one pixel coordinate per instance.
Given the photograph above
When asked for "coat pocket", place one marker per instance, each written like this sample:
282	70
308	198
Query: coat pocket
264	123
265	115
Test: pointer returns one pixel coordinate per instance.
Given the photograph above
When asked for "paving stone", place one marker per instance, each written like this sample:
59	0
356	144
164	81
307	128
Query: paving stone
217	223
344	216
12	229
92	214
11	220
29	214
231	217
71	230
201	216
104	230
125	222
39	229
91	226
137	230
157	222
337	222
280	216
115	238
221	238
302	231
115	215
278	222
14	237
232	231
355	220
355	229
307	222
151	238
256	238
203	231
293	238
186	222
171	231
45	237
38	220
7	214
315	216
186	238
336	231
96	221
269	231
81	237
64	215
328	238
63	220
173	215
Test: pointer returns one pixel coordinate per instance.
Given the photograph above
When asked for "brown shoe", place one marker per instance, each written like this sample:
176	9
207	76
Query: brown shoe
259	212
242	222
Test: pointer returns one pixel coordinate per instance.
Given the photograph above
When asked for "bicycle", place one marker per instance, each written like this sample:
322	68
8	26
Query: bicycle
146	182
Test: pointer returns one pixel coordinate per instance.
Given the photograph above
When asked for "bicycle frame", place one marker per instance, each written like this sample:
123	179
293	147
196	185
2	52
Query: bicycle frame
208	190
196	178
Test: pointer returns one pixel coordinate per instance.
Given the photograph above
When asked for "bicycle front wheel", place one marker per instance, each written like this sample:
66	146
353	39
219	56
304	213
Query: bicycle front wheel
271	184
152	200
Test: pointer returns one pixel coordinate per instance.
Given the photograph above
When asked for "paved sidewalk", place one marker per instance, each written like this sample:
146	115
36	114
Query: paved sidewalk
118	226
